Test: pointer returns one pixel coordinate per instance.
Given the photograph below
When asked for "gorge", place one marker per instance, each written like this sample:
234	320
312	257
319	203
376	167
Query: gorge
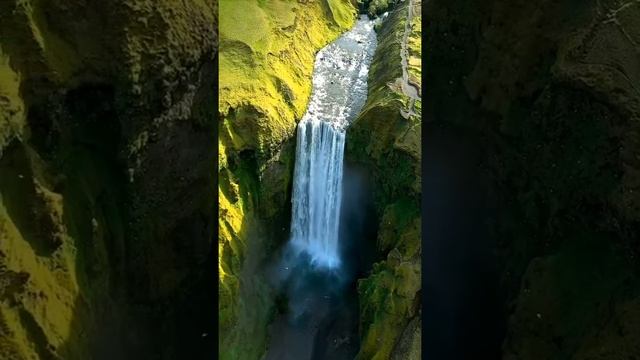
149	198
115	163
305	284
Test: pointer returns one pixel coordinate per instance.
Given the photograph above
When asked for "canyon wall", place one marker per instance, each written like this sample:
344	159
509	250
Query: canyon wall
545	95
387	144
106	173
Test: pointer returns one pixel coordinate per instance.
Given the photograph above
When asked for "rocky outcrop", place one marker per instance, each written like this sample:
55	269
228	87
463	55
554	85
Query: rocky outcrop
547	93
375	8
267	52
106	171
386	141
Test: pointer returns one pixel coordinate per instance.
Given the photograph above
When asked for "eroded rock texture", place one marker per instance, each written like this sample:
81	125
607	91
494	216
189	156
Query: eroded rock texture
385	140
106	173
543	96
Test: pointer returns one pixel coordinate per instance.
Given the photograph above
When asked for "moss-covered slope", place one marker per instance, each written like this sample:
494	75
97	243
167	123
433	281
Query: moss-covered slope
105	176
548	90
267	51
388	144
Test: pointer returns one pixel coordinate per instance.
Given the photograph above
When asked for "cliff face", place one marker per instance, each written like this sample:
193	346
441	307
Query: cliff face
547	94
386	141
267	52
105	177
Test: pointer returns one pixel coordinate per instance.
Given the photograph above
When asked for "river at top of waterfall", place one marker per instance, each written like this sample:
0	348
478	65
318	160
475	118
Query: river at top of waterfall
339	92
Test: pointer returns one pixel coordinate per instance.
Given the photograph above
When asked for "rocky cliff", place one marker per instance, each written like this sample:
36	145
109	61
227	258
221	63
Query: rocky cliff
267	52
385	139
106	173
545	96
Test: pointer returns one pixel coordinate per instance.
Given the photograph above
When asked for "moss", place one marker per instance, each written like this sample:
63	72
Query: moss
377	7
388	143
12	118
342	13
396	220
68	217
267	61
245	300
388	299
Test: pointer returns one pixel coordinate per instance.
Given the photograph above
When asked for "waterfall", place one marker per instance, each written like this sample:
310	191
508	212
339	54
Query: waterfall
318	191
339	92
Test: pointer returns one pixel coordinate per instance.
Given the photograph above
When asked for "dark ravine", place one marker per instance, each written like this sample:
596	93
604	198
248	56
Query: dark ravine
542	95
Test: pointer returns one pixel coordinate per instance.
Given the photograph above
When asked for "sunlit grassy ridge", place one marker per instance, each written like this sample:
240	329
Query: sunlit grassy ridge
267	51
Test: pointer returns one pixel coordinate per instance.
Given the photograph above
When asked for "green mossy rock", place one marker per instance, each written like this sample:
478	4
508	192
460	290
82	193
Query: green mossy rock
388	144
375	8
105	228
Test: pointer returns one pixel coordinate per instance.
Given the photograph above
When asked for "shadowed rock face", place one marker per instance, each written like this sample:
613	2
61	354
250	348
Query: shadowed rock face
546	94
385	141
106	160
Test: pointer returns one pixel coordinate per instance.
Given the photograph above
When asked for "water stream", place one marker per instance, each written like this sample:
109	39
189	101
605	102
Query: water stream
339	92
321	317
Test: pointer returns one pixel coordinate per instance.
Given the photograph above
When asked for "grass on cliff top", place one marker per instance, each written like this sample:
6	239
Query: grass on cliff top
267	51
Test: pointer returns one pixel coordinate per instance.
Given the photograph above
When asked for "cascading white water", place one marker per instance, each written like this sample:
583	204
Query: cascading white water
339	92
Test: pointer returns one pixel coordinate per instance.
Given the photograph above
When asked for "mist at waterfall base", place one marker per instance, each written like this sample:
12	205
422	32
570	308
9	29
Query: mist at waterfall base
315	272
319	310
